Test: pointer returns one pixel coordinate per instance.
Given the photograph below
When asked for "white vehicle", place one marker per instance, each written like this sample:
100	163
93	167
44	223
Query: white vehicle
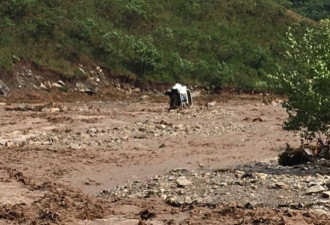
179	95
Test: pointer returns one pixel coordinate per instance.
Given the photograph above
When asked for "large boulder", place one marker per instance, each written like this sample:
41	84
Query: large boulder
81	87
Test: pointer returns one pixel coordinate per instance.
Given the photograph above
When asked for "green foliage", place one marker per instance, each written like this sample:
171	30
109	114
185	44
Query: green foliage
64	88
138	7
80	74
15	9
215	43
146	56
285	3
306	79
216	73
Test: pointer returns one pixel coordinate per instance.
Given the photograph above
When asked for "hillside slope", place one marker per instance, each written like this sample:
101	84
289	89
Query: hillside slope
314	9
218	42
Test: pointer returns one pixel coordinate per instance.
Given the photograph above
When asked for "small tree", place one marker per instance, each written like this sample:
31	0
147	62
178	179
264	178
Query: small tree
306	79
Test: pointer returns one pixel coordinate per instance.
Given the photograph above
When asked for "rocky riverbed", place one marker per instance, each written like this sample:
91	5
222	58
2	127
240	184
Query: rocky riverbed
113	162
259	185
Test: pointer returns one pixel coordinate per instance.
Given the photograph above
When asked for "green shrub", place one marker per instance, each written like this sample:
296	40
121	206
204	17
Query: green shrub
306	79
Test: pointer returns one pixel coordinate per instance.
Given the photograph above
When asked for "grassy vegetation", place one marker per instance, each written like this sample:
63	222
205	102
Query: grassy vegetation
220	42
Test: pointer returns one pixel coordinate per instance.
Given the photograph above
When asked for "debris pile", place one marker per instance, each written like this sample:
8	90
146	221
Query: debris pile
261	188
304	153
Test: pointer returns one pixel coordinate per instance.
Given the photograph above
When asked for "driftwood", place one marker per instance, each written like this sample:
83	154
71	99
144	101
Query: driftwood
304	153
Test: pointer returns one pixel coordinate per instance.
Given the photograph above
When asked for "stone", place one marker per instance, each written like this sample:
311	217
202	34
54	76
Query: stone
223	184
162	145
280	185
61	83
10	144
183	181
56	85
188	200
173	200
140	136
257	119
315	189
262	176
81	87
28	73
212	104
161	126
274	103
16	58
249	205
239	174
43	86
92	130
326	194
4	89
144	97
98	69
53	110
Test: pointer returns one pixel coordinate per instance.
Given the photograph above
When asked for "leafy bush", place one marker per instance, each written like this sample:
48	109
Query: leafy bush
306	79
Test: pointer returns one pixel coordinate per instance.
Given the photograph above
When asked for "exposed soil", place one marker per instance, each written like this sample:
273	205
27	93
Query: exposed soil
57	157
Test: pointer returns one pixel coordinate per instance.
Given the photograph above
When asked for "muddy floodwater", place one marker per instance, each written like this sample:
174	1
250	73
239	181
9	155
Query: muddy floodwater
63	163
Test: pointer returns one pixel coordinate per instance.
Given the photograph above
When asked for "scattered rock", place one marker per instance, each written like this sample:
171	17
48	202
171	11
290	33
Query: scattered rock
249	205
10	144
326	194
4	89
61	83
162	146
74	146
213	188
54	110
43	86
16	58
92	130
212	104
257	119
239	174
280	185
140	136
183	181
81	87
173	201
246	118
144	97
57	85
315	189
262	176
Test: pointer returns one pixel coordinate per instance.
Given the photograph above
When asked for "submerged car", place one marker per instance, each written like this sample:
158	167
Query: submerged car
179	95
